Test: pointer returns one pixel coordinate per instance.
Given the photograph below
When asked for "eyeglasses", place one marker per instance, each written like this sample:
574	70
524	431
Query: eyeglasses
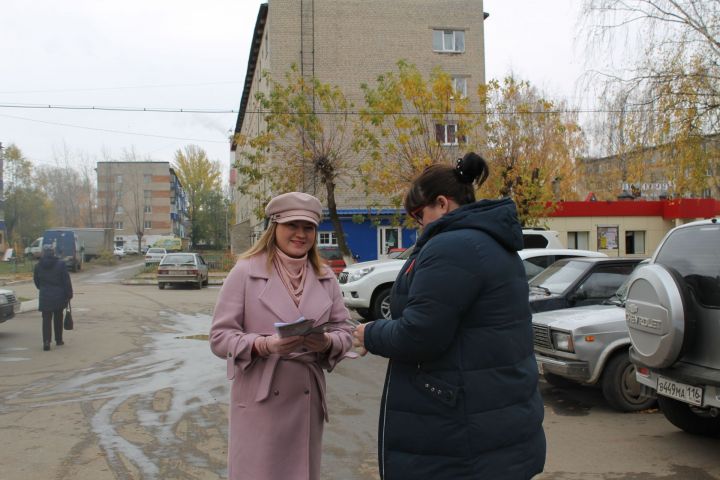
417	214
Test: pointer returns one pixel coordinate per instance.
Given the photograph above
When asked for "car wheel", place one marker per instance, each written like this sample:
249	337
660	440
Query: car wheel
690	419
161	286
380	307
558	381
207	281
364	313
620	387
199	284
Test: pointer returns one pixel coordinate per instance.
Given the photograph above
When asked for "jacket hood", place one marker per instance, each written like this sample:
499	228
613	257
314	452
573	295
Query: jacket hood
497	218
47	262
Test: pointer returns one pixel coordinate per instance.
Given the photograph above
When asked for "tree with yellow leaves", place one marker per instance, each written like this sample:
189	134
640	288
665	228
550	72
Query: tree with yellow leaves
306	146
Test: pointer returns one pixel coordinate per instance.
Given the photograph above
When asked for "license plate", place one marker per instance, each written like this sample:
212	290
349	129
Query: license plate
680	391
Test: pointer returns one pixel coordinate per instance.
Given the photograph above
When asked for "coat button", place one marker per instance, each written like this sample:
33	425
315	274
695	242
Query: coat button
276	392
229	354
307	392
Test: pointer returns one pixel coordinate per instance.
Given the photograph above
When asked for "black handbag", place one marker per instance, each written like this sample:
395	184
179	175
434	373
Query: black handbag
68	322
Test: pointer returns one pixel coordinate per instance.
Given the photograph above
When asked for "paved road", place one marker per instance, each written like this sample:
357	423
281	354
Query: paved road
136	394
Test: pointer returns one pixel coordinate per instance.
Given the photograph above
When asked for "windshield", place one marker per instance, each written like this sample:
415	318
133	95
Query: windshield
177	259
559	276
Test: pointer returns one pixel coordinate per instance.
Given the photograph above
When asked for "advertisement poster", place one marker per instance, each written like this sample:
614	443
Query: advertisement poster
608	238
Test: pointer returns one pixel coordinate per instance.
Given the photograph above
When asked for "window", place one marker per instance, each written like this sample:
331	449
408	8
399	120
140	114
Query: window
119	209
118	225
147	178
119	194
634	242
327	238
147	224
118	178
147	209
460	86
147	194
446	134
449	41
604	281
579	240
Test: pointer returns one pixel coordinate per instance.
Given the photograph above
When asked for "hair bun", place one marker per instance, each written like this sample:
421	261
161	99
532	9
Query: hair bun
471	168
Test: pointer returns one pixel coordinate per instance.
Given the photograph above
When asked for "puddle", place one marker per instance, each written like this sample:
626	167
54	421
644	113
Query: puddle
169	383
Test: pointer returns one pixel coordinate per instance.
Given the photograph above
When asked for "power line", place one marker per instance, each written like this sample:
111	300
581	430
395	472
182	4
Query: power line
106	130
350	112
100	89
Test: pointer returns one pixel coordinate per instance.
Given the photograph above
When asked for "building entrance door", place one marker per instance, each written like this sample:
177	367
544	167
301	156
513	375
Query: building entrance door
389	237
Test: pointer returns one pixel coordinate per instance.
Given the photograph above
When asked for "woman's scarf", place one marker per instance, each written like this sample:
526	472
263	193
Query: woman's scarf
292	273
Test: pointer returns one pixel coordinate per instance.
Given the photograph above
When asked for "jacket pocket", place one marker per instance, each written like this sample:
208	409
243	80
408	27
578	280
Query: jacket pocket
436	388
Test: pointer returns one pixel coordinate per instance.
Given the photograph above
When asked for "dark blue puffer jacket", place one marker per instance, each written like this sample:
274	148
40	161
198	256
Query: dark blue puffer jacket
461	399
53	280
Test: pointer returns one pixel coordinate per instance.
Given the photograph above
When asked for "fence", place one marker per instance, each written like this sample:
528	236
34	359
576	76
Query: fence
219	262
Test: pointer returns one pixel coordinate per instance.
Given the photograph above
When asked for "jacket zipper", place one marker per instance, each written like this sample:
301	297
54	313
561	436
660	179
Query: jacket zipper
382	445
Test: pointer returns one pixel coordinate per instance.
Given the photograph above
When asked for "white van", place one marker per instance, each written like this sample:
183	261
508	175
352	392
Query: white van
35	248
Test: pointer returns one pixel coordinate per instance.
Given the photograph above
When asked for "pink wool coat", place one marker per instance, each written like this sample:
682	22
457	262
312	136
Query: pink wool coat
277	404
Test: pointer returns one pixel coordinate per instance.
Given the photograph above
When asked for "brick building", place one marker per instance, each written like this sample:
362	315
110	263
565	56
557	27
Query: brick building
347	43
140	196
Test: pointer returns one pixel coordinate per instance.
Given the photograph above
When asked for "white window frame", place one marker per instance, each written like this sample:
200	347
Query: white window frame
119	226
119	209
444	140
381	240
459	84
579	240
637	235
327	239
147	209
444	47
147	224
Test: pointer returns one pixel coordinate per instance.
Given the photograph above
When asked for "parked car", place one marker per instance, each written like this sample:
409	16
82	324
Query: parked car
366	286
541	238
333	257
178	268
575	282
9	305
119	252
673	316
34	250
154	255
130	250
589	345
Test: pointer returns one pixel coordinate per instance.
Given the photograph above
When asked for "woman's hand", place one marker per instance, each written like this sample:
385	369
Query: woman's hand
281	346
317	342
359	339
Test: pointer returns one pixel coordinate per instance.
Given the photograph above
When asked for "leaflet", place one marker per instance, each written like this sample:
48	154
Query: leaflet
301	326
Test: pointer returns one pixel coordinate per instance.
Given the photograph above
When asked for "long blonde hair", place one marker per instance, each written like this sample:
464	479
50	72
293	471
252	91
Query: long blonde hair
266	244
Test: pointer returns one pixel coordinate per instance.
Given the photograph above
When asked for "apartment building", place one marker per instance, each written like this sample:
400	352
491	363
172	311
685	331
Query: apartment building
347	43
142	197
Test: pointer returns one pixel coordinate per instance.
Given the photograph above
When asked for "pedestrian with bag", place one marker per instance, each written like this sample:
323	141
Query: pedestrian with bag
53	281
461	397
278	399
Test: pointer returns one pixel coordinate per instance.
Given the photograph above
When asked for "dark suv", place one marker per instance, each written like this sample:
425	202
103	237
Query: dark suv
673	316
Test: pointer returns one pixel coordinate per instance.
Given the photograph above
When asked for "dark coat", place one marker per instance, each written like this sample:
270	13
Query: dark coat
53	280
461	399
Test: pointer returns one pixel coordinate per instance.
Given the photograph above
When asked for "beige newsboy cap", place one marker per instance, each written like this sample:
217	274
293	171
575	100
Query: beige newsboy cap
293	206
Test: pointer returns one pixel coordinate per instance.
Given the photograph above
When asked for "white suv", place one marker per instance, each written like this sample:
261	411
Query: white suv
366	286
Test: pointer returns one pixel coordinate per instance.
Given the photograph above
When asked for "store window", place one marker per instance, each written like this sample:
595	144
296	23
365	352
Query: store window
579	240
634	242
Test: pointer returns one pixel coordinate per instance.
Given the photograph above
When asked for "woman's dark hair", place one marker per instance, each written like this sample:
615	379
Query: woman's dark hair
453	182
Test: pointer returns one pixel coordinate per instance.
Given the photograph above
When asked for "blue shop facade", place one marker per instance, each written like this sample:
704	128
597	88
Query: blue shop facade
369	235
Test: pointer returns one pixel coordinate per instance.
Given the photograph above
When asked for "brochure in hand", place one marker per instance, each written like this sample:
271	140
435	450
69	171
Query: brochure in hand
301	326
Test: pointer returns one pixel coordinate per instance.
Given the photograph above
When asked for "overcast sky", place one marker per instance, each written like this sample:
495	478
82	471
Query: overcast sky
174	54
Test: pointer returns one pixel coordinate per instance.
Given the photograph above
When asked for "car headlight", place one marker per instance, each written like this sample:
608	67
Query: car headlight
358	274
563	341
